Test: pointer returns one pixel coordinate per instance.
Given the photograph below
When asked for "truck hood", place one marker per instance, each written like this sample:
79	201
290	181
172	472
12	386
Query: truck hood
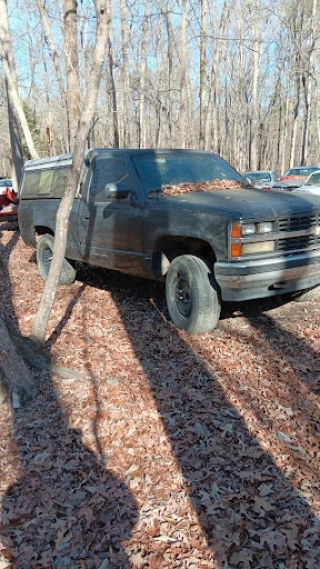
249	203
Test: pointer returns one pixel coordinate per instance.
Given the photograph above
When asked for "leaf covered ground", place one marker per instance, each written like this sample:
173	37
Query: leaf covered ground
158	449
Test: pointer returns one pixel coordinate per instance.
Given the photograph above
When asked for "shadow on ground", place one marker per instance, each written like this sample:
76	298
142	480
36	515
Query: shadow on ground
249	511
62	507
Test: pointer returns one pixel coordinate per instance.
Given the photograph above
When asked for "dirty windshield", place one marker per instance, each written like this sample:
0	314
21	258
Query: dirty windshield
158	171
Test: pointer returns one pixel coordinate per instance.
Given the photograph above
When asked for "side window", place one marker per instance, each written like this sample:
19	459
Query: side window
45	181
30	184
59	182
106	171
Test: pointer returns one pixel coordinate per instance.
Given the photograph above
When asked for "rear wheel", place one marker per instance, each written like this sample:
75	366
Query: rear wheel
305	295
192	295
44	256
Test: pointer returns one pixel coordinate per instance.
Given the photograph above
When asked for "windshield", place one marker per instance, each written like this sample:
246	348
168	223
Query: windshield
157	170
259	176
5	184
314	179
304	172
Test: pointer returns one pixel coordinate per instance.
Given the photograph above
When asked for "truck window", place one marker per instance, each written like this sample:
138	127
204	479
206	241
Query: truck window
30	185
106	171
59	182
45	181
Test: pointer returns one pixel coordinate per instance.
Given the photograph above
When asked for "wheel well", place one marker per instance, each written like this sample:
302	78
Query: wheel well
168	248
43	230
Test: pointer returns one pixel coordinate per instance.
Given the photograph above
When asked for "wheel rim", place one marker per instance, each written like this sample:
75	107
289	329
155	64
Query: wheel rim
46	259
183	296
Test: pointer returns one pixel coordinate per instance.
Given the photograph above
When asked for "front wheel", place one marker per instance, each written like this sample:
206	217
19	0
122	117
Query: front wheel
44	256
305	295
192	295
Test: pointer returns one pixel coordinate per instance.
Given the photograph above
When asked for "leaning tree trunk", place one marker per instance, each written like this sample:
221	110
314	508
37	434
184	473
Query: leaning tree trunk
40	323
17	356
6	58
70	33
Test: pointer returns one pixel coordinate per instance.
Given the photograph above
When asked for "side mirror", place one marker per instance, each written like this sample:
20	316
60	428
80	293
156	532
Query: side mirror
117	191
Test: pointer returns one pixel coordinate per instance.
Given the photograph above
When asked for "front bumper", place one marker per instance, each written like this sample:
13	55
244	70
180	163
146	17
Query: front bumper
244	280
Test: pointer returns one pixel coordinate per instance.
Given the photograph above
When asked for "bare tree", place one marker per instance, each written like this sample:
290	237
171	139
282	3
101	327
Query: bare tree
203	72
70	33
183	71
15	105
255	120
41	319
125	73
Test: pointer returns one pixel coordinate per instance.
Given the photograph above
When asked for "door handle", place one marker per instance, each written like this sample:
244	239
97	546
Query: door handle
86	217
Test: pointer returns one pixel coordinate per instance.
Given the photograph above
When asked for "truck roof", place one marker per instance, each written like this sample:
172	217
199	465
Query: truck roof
66	159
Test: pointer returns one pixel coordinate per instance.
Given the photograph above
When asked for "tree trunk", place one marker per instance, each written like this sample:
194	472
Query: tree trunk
212	119
183	58
125	73
17	381
114	103
15	144
255	123
8	65
41	319
203	72
309	83
296	108
143	65
70	33
54	55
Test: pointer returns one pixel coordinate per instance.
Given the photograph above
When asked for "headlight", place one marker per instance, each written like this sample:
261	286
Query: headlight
251	239
249	229
265	227
239	230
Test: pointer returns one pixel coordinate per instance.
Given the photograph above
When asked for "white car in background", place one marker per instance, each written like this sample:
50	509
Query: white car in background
312	184
5	184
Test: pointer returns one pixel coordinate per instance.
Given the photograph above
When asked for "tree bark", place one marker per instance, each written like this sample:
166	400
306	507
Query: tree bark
114	102
143	65
255	122
70	33
8	65
183	58
15	144
17	381
125	73
203	73
40	322
54	55
212	119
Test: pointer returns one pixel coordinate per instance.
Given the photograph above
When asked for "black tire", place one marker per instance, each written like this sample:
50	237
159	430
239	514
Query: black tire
192	295
44	256
305	295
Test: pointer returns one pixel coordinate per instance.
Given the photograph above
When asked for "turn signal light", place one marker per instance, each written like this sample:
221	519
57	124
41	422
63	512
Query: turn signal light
235	249
236	231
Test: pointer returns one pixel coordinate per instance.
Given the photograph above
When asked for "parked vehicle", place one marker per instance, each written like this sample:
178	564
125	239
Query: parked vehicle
264	179
5	183
299	174
8	201
208	246
312	185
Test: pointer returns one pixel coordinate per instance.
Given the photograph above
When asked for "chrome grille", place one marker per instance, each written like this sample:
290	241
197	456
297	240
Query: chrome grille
299	223
303	242
304	224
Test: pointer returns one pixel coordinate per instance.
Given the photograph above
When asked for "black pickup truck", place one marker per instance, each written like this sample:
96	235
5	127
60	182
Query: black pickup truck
225	245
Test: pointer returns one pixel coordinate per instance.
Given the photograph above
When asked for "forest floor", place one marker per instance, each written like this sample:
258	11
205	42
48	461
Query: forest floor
160	450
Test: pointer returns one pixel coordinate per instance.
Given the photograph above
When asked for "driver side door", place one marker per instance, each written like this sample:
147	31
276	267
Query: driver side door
110	229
